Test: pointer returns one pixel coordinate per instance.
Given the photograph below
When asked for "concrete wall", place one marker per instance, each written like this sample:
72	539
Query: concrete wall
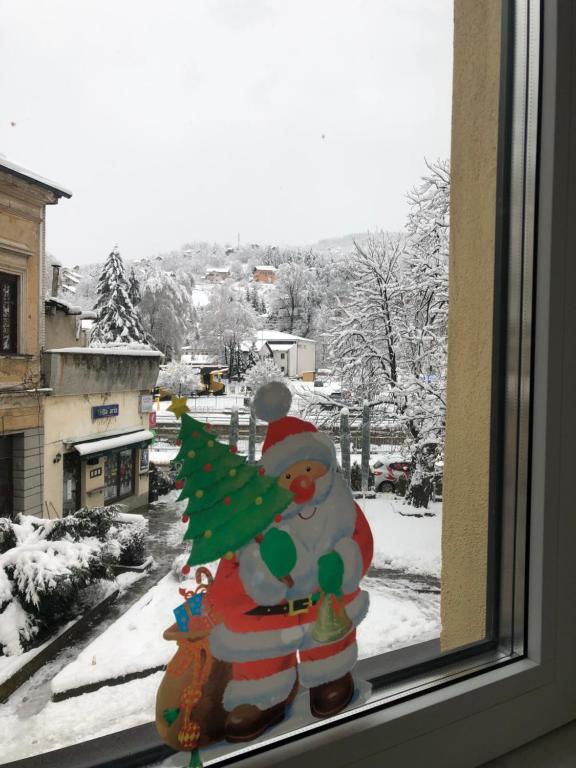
27	471
472	242
61	330
85	373
70	416
306	357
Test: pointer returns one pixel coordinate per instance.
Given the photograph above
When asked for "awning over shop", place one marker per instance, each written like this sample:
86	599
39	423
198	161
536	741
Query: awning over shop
113	443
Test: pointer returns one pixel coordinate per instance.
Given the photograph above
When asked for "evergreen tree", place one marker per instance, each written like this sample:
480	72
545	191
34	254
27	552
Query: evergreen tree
117	321
134	289
230	501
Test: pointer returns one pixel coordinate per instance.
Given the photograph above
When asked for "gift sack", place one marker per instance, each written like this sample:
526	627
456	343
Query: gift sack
189	709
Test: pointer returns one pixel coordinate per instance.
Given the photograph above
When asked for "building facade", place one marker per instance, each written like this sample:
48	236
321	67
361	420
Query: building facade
265	273
294	355
97	426
217	274
23	200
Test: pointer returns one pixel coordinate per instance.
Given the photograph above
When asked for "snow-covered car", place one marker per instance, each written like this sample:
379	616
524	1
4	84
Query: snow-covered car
388	472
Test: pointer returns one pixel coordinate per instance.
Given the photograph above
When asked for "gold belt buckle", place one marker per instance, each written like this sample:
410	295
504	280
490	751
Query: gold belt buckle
295	611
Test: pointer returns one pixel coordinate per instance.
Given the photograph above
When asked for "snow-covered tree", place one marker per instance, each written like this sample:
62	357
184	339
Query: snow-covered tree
117	321
262	372
178	378
166	308
226	326
389	337
425	326
134	289
297	299
365	339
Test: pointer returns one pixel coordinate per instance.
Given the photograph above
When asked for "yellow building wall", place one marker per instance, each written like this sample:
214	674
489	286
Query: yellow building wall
70	417
22	208
472	247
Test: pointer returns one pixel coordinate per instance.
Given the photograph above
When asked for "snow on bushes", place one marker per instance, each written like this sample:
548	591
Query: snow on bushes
85	523
7	536
47	576
49	567
18	629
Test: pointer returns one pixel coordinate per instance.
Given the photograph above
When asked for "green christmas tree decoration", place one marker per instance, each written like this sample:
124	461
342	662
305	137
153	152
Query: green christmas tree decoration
230	502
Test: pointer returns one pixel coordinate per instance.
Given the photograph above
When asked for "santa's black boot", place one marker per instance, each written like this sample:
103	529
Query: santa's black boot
329	699
246	721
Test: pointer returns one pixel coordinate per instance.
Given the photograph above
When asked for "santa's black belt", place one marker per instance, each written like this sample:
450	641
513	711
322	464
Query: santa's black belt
290	607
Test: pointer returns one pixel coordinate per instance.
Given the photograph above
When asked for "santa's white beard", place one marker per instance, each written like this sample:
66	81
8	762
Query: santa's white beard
315	530
323	488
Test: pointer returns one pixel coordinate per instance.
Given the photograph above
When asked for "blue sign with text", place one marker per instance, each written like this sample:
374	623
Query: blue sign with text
105	411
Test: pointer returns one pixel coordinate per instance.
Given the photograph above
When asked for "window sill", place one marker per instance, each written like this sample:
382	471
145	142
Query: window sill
407	720
16	356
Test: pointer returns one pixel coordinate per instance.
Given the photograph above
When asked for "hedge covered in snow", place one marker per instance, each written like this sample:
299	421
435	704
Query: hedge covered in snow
46	566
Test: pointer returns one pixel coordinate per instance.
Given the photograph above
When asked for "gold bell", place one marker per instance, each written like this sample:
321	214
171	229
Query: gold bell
333	623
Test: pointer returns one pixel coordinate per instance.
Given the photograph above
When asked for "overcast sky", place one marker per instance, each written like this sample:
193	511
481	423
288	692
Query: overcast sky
285	121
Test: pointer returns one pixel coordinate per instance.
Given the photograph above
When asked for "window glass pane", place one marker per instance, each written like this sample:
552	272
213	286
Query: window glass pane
111	477
8	310
126	471
326	267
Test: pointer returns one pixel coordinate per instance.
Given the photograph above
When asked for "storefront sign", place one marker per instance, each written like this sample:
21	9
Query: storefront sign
96	472
144	459
152	419
105	411
146	403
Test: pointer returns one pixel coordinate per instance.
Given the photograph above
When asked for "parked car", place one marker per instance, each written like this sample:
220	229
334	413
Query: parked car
390	473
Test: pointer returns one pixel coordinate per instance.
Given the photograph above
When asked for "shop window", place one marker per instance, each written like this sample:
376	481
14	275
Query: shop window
119	475
71	477
8	313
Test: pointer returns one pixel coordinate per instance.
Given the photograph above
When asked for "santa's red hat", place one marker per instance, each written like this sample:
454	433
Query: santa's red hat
288	438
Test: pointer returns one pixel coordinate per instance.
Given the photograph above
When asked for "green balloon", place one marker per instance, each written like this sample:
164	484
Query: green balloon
278	552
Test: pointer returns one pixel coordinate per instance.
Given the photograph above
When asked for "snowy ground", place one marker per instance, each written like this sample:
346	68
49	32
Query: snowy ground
404	591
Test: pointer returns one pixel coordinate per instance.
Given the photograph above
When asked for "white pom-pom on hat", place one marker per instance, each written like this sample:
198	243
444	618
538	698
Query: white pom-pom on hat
272	401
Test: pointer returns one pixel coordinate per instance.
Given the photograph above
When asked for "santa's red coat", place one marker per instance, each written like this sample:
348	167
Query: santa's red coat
229	598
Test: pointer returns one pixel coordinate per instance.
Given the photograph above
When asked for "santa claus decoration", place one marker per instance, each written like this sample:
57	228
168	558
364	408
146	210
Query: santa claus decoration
282	610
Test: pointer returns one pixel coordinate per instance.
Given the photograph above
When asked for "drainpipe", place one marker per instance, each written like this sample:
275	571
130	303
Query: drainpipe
41	286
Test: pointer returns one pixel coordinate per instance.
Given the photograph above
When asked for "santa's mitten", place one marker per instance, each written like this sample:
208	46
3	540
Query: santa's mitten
331	573
278	552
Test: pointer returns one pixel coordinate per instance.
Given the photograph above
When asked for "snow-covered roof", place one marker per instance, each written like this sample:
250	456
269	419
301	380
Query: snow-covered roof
285	347
266	268
217	269
126	351
24	173
110	443
70	309
199	359
278	336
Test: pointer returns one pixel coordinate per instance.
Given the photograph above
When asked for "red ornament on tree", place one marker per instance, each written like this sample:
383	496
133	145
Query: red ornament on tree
261	471
278	519
186	570
227	500
179	484
207	467
233	449
178	442
185	518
